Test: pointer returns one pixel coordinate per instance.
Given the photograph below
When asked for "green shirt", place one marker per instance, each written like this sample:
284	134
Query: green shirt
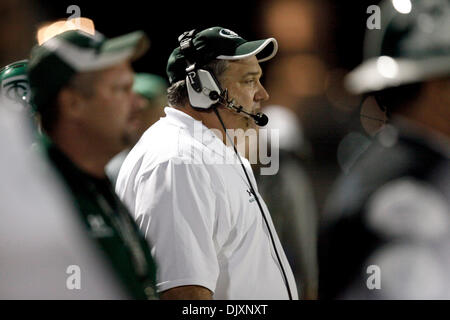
110	224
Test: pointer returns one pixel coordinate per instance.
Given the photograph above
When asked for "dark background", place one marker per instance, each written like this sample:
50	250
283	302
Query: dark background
292	78
163	21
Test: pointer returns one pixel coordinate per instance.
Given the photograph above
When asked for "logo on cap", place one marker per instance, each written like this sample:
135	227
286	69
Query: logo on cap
16	89
228	33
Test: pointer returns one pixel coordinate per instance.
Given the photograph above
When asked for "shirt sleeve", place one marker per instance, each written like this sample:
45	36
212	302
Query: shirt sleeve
176	206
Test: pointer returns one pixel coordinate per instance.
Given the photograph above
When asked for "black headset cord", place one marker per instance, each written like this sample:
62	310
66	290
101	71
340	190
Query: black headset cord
259	204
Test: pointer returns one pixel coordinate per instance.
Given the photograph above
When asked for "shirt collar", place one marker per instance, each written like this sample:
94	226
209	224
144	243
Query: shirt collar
198	131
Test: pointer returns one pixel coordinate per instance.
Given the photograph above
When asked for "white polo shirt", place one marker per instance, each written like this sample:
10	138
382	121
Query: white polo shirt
203	224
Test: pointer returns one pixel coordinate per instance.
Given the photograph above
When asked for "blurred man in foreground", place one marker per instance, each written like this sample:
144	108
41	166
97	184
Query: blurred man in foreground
45	249
81	86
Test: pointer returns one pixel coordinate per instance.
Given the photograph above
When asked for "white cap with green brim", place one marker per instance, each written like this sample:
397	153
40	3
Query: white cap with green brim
54	62
384	72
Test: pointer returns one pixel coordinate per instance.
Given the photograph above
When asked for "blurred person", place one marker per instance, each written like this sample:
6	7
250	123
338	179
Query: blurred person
81	86
290	199
302	80
300	83
210	230
150	99
41	238
386	231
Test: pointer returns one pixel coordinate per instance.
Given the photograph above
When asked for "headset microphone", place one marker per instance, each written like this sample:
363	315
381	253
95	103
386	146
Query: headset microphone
260	118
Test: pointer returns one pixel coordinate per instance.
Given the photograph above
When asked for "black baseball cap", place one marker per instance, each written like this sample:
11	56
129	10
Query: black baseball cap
219	43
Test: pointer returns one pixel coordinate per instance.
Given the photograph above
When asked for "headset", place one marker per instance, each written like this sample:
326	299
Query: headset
205	92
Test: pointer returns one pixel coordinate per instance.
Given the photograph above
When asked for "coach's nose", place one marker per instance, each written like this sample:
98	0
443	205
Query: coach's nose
261	93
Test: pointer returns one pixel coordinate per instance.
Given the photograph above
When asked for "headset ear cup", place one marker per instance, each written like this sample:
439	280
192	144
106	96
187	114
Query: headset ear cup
205	97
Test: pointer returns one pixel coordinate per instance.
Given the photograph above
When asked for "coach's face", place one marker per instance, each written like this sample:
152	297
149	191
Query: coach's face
242	79
107	111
